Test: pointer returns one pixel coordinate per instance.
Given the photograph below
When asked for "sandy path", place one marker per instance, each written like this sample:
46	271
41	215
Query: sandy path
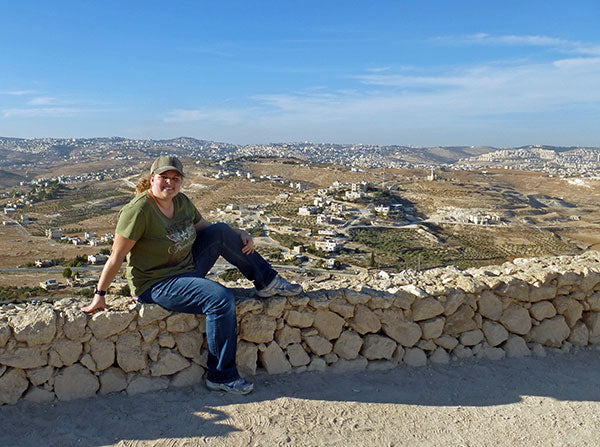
552	401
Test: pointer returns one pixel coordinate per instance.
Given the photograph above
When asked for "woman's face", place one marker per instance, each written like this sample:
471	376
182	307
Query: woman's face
166	185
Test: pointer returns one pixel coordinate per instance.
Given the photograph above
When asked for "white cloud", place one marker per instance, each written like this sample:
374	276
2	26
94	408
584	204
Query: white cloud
17	92
40	112
41	101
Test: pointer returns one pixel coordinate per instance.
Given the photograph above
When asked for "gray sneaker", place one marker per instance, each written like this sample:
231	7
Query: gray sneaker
238	386
280	286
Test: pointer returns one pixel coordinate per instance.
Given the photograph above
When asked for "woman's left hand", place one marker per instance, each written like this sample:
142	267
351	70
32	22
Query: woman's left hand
247	243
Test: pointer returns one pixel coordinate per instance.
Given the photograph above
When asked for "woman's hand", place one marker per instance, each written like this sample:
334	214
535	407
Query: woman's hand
98	303
247	242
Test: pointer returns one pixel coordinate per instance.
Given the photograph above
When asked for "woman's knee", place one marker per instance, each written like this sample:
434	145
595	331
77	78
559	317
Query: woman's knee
223	301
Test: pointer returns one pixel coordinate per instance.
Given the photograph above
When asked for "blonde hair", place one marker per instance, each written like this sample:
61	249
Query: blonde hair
143	185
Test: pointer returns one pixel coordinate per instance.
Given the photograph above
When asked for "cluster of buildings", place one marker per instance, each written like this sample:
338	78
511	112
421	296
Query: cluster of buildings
90	238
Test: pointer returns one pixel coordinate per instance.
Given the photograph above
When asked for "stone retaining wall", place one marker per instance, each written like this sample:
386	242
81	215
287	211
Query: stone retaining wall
54	351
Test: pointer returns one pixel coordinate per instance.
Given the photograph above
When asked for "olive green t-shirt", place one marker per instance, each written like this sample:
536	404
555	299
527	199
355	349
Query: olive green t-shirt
163	245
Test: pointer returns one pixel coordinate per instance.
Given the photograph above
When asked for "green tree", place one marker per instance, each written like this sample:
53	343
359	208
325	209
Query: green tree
67	273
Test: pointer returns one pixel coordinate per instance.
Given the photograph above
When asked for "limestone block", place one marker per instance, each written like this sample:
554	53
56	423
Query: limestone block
380	301
248	305
446	342
24	358
13	384
308	332
492	353
460	321
35	327
112	380
181	322
75	382
494	333
328	324
54	359
318	345
300	301
150	313
593	301
68	350
469	285
516	319
39	376
273	359
461	352
343	308
426	308
590	280
570	308
407	333
317	364
166	340
415	357
490	305
246	358
74	323
542	310
538	350
591	319
108	323
87	361
274	306
471	338
517	289
580	334
377	347
550	332
130	356
257	328
297	355
453	302
398	354
189	376
318	300
568	279
364	320
152	350
149	332
348	345
287	335
169	362
432	328
39	395
406	295
545	292
189	343
516	346
300	319
4	333
145	384
356	297
426	345
357	364
439	356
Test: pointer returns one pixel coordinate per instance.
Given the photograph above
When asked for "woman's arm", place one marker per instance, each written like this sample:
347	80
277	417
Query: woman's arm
121	246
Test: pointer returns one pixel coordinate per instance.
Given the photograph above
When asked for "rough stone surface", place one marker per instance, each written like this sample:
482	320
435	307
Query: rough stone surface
415	357
471	338
297	355
189	343
181	323
273	359
365	321
348	345
426	308
439	356
550	332
343	308
406	333
542	310
130	356
39	376
446	342
75	382
103	353
169	362
300	319
490	305
570	308
149	313
516	319
580	335
494	333
460	321
257	328
377	347
189	376
329	324
35	327
108	323
39	395
432	328
516	346
246	358
112	380
68	350
25	358
145	384
287	335
13	384
318	345
357	364
74	324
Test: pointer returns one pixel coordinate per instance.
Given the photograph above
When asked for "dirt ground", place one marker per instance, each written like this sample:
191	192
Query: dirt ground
551	401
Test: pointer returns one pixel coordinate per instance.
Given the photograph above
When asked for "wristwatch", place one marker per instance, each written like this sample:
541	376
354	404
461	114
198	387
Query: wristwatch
99	292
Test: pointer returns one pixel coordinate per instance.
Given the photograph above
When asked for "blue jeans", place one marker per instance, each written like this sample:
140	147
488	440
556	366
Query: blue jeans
193	293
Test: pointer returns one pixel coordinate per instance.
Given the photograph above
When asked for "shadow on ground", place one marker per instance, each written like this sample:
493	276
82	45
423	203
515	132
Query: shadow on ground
192	412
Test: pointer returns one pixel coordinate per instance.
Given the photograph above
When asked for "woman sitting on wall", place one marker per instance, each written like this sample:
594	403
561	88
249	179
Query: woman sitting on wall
170	248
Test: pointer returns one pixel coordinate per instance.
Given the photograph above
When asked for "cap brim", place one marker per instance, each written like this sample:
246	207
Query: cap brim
167	168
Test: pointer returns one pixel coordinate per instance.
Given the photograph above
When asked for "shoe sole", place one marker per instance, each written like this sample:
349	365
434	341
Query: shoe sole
217	387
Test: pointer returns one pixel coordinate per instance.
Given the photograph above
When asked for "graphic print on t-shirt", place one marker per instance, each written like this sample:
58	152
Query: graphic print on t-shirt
182	235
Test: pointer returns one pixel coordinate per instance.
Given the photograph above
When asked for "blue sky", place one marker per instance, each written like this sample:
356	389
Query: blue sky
501	73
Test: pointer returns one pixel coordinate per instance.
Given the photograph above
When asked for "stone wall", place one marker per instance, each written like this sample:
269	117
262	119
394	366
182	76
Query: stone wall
379	321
